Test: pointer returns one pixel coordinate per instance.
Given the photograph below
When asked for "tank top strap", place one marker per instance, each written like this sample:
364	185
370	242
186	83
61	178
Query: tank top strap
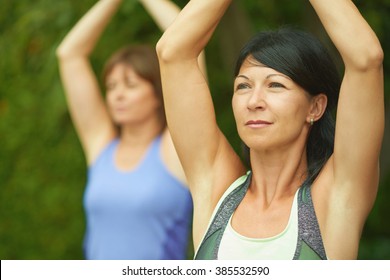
154	147
211	241
310	244
157	141
105	155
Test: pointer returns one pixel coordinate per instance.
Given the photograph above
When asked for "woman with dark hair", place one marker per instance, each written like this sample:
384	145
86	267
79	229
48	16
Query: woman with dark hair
304	59
136	201
313	180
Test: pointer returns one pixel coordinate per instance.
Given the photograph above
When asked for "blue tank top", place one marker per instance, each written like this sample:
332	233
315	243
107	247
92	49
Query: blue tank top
141	214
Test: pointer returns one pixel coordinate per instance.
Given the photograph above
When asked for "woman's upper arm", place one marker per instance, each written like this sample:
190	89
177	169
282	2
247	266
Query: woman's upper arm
358	139
359	126
190	116
86	105
360	111
189	106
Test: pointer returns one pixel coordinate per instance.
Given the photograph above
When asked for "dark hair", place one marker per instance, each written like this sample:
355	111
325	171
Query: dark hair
143	60
303	58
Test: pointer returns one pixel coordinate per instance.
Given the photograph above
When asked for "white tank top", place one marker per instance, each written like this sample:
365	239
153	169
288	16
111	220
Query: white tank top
282	246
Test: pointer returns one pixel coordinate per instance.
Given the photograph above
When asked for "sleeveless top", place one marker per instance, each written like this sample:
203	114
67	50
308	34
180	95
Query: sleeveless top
140	214
308	245
281	246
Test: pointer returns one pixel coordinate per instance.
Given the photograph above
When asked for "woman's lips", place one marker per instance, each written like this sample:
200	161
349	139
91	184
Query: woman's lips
257	123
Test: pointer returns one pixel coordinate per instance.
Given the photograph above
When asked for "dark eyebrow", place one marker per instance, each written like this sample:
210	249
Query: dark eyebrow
242	76
269	76
281	75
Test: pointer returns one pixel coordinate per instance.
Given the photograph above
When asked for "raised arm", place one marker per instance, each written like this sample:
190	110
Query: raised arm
86	104
92	122
208	160
360	112
164	13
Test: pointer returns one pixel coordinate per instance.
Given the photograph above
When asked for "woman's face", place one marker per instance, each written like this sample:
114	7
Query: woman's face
130	98
270	109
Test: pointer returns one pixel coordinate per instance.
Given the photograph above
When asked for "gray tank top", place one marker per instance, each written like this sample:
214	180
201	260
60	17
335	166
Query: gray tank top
309	244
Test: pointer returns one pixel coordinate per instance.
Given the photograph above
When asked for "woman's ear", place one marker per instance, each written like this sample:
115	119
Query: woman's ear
317	108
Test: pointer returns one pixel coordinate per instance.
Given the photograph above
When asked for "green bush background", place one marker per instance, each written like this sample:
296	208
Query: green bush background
42	167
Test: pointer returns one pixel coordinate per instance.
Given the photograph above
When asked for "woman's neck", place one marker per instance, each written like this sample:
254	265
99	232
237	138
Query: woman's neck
141	133
276	174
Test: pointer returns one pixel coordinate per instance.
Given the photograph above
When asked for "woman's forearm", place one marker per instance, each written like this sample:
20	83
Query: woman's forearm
163	12
358	45
81	40
192	29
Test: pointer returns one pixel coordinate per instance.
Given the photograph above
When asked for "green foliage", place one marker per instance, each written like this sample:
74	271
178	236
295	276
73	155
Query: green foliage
42	167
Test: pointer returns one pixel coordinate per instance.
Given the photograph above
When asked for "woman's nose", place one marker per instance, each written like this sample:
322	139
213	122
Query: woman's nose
119	91
257	99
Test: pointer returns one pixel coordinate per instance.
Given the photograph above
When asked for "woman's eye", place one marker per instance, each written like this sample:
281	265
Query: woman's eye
276	85
242	86
131	84
110	87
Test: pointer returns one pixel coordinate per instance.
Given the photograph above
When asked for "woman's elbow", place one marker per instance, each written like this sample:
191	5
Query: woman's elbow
165	50
374	57
67	51
377	56
60	52
371	59
63	52
172	49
